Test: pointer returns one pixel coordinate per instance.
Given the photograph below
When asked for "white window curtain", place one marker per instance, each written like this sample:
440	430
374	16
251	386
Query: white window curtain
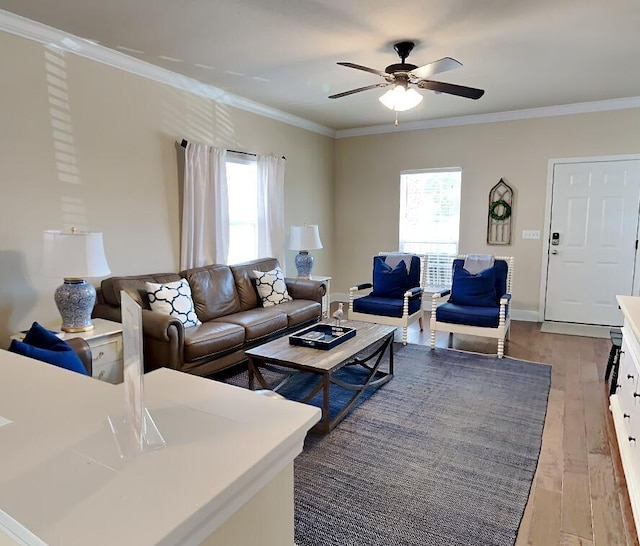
205	210
271	231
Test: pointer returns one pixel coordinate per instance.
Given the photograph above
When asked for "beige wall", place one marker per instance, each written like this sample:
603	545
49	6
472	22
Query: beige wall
86	145
368	184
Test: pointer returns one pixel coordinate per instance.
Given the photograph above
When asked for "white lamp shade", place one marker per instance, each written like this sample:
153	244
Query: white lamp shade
74	255
305	238
401	98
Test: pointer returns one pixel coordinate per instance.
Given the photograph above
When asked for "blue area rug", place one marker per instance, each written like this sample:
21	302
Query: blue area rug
443	454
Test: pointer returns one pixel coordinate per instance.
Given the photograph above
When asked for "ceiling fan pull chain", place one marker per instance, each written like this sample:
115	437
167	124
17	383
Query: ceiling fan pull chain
396	123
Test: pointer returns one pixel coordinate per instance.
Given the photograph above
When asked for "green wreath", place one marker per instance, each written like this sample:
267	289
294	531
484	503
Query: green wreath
506	212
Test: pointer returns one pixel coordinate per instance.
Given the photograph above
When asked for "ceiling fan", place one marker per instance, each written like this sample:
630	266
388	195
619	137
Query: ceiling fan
401	75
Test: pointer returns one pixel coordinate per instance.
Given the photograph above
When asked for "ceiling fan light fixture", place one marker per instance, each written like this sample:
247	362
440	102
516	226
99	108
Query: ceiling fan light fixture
401	98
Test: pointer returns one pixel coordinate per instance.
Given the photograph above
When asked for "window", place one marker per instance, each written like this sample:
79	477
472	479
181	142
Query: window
242	183
430	220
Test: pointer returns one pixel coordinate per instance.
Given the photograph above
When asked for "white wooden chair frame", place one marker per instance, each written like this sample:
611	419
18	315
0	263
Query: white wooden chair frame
500	333
406	319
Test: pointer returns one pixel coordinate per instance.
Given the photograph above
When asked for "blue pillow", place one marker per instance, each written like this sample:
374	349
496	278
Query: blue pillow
475	290
44	345
387	282
42	338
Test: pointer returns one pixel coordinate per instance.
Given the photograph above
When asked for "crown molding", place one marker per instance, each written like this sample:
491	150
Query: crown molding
530	113
32	30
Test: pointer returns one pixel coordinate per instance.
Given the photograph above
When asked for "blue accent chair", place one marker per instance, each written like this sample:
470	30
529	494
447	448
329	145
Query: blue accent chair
396	292
477	305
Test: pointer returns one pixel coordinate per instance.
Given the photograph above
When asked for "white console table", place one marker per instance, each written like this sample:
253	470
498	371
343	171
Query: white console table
625	403
225	476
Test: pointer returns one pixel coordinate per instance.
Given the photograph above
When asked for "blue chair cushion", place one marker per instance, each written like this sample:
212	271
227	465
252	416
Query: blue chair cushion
501	270
387	282
388	307
487	317
476	290
44	345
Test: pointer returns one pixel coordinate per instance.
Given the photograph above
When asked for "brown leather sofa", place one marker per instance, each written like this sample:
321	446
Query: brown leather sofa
229	307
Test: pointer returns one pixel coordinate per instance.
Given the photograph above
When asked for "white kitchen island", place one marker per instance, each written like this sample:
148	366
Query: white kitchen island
225	476
625	405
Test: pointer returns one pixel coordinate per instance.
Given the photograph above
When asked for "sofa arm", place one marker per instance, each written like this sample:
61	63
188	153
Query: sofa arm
163	341
159	326
306	289
83	350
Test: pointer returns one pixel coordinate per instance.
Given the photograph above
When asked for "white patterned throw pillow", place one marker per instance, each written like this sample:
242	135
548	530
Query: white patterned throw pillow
173	299
271	287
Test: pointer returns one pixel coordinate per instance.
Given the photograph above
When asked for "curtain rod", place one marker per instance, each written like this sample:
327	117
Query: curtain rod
184	145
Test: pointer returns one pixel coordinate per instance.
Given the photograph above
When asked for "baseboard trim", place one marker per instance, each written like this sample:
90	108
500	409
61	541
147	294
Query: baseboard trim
572	329
524	315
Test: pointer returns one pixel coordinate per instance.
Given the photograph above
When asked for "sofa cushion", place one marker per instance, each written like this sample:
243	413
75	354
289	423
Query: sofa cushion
211	338
246	282
260	322
134	285
173	299
213	290
271	287
300	311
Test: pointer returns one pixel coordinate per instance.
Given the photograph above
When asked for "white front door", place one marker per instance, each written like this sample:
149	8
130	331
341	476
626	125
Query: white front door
592	252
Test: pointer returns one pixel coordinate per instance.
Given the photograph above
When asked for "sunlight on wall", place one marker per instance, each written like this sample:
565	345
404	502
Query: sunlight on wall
225	132
188	116
196	118
74	213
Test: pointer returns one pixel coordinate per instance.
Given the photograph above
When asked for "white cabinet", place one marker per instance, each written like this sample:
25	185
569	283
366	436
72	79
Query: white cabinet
105	340
625	403
107	359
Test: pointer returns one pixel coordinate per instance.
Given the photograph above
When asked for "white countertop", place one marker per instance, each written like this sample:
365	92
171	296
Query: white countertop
630	306
61	476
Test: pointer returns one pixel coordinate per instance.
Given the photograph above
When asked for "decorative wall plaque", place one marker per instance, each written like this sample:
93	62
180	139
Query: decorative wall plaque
500	214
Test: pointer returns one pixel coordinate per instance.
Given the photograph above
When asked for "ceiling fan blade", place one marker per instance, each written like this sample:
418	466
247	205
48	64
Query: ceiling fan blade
366	69
352	91
441	65
451	89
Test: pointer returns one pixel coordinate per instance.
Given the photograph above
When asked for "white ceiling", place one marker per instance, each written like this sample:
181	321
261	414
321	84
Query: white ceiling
283	53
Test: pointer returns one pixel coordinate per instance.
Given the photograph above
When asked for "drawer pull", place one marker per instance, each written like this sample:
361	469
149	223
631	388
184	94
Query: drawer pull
626	416
635	395
100	355
632	439
629	376
101	375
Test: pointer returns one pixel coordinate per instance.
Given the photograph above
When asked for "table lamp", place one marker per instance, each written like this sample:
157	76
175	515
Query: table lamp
304	238
74	255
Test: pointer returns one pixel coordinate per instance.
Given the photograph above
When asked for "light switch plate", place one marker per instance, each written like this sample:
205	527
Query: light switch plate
531	234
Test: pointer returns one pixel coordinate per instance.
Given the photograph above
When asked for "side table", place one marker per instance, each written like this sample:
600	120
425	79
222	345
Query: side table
326	300
105	340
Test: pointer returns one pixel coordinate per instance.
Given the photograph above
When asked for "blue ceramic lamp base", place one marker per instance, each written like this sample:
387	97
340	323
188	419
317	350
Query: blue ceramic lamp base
304	264
75	300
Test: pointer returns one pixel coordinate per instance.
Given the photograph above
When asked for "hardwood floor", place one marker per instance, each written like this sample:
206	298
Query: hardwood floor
577	497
